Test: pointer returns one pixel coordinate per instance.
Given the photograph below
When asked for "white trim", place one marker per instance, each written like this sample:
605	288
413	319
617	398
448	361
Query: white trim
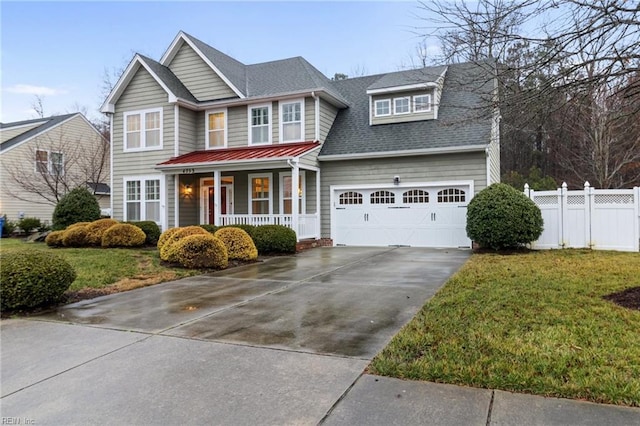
173	49
176	201
303	197
250	178
488	164
405	88
206	127
164	211
49	162
269	107
317	116
429	103
395	106
143	130
405	153
375	107
111	163
109	104
228	187
142	179
301	101
176	130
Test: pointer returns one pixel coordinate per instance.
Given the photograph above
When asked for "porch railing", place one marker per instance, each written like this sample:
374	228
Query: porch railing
308	224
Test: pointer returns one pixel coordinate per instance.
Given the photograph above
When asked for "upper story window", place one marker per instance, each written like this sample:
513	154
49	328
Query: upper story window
422	103
382	107
259	124
49	162
401	105
143	130
292	121
216	129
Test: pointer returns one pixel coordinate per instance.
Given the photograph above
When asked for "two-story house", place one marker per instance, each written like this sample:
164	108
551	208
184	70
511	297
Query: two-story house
44	158
390	159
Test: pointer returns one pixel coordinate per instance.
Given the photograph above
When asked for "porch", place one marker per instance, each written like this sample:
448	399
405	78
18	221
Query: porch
308	225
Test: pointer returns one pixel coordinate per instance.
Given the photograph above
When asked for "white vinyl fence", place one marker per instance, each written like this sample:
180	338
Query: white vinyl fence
602	219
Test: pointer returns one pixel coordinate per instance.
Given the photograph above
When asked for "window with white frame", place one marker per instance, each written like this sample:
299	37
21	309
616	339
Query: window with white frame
401	105
142	199
49	162
292	121
260	194
286	194
382	107
143	130
216	129
422	103
260	124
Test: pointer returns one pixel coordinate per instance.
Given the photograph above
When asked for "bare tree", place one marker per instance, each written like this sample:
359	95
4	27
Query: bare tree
54	165
38	105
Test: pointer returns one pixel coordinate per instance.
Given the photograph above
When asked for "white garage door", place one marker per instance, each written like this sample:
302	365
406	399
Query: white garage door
418	216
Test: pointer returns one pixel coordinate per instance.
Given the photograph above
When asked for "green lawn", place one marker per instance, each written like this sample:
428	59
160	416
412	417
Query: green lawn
118	269
533	323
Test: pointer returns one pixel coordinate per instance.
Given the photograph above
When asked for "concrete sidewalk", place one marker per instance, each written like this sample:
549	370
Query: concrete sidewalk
281	342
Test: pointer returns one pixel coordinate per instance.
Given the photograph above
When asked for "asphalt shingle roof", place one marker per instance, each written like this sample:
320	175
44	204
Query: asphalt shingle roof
405	78
169	79
48	122
463	118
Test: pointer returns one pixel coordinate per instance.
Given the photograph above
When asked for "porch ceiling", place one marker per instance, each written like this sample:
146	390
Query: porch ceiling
252	156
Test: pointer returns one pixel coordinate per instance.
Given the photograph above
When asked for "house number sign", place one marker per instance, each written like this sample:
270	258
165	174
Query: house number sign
188	171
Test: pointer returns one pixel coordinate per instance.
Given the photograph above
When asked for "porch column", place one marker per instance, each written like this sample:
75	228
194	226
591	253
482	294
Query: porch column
216	197
318	228
295	196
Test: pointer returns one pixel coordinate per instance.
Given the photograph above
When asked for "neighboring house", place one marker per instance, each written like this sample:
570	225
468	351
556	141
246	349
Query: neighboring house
44	158
389	159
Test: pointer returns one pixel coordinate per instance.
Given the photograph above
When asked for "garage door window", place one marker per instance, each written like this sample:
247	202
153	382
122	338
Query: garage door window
350	198
383	197
415	196
451	195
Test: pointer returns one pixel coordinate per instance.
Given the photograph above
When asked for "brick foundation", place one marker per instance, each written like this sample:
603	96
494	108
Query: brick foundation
311	243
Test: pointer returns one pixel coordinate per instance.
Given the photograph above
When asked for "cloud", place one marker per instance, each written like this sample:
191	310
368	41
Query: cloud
29	89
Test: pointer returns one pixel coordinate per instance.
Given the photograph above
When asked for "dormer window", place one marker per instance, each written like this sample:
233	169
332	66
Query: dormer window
402	105
382	107
422	103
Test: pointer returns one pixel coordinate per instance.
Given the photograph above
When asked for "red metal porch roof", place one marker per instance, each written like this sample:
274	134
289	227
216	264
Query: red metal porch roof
268	152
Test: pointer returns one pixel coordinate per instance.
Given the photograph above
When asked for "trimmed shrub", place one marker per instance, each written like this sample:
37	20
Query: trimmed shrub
239	244
150	229
96	229
199	251
209	228
180	233
32	278
123	235
28	224
274	239
246	228
501	217
73	225
75	236
165	236
54	239
79	205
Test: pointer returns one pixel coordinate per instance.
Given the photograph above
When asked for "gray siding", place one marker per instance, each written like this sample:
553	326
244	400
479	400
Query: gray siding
327	115
310	178
170	201
200	130
198	77
310	159
238	131
10	133
187	130
494	150
469	166
143	92
403	117
309	119
275	127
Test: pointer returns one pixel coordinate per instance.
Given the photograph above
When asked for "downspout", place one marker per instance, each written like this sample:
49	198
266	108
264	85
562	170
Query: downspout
317	115
111	115
295	197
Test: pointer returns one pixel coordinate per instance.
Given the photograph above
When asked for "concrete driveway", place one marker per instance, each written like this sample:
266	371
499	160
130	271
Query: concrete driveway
277	342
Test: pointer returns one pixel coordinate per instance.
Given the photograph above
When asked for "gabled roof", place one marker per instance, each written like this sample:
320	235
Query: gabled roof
408	78
242	154
169	79
46	124
99	188
463	124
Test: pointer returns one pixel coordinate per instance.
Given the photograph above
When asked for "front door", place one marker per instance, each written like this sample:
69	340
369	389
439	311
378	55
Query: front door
223	203
207	202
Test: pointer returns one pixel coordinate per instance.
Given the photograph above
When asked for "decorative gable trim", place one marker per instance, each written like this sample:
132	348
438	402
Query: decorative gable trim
175	46
109	104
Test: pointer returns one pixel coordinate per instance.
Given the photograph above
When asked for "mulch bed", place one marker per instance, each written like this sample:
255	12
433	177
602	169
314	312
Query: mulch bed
629	298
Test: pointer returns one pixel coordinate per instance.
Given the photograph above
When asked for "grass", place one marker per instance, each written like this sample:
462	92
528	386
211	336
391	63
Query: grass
533	323
112	269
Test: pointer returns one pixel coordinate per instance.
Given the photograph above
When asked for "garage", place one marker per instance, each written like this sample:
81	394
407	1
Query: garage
410	214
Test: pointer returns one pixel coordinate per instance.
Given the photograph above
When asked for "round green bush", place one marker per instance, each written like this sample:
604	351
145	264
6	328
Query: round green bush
501	217
209	228
274	239
32	278
150	229
29	224
246	228
164	237
198	251
165	250
239	244
123	235
75	236
54	239
96	229
79	205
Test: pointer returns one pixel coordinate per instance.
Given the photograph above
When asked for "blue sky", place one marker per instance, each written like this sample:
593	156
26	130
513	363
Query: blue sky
59	50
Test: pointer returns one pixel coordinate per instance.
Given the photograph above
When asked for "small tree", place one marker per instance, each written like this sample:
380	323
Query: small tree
501	217
79	205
